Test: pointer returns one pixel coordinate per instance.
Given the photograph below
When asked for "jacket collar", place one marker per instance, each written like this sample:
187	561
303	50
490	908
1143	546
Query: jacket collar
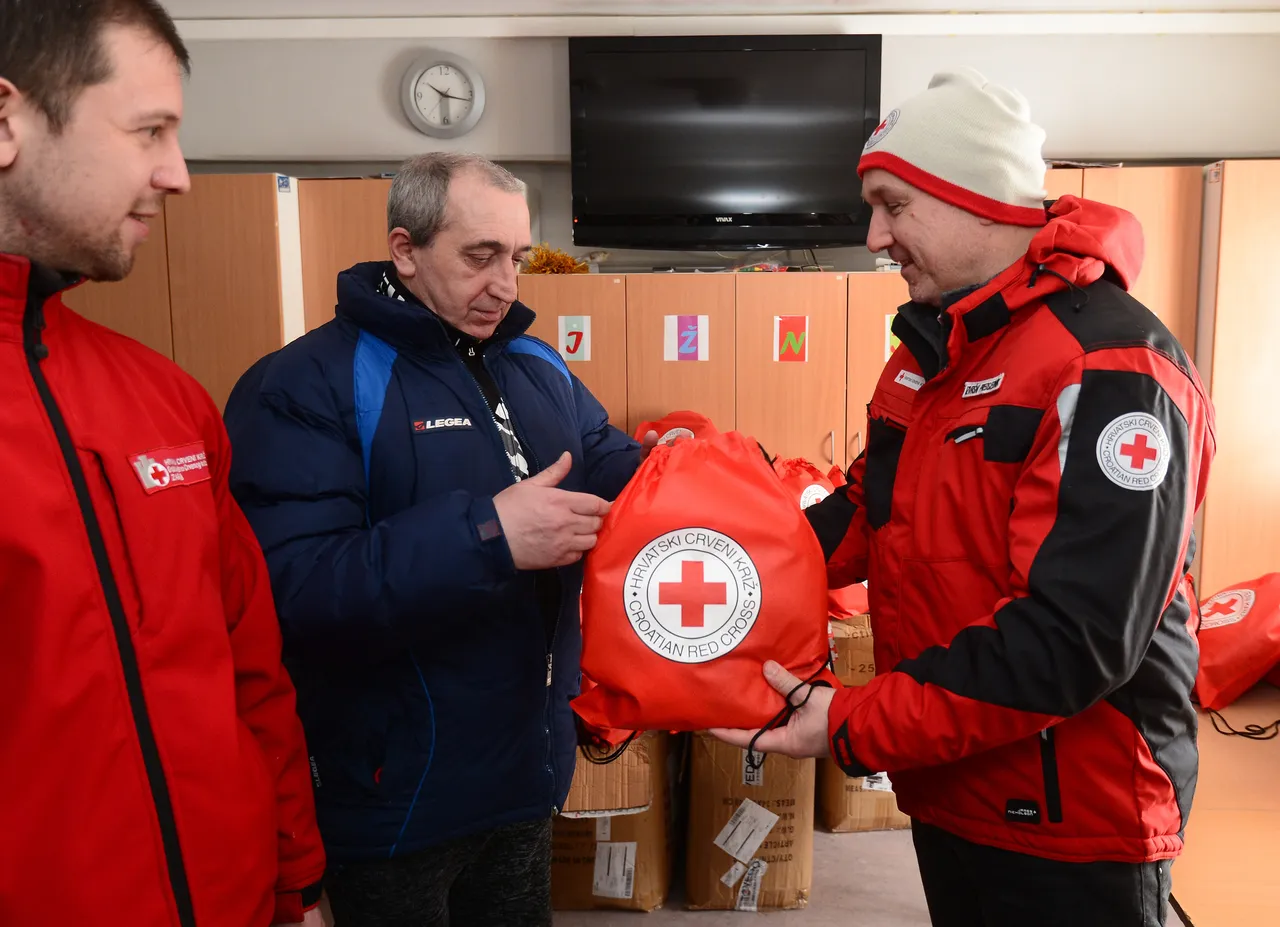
1082	242
24	283
408	325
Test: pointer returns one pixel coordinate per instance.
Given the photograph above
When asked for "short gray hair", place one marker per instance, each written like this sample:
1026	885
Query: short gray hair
420	191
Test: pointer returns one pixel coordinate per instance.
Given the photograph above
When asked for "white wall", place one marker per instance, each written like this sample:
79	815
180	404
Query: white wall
1139	96
277	103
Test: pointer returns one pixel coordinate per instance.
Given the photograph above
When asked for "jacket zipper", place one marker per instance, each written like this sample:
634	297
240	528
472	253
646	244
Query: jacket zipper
1049	762
37	351
965	433
535	466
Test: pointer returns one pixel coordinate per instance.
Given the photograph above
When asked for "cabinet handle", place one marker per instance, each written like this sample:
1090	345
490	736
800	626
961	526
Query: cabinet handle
831	455
857	445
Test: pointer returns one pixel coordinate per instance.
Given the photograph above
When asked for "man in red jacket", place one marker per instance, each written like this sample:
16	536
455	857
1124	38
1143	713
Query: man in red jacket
152	768
1038	447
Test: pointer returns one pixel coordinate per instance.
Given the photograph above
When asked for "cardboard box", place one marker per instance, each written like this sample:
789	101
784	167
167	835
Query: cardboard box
750	832
624	786
623	861
855	660
849	806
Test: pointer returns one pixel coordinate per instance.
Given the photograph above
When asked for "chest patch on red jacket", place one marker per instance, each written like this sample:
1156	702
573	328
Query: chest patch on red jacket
167	467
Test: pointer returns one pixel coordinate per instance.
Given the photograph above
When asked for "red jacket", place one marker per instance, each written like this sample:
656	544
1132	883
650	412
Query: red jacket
1023	513
152	769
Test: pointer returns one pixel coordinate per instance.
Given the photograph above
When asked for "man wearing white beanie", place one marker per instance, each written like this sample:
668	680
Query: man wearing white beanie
1037	450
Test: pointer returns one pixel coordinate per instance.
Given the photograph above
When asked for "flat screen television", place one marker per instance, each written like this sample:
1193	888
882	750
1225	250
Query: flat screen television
721	142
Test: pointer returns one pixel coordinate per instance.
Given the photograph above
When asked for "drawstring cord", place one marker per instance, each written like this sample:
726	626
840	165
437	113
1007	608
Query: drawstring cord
607	758
756	760
1042	269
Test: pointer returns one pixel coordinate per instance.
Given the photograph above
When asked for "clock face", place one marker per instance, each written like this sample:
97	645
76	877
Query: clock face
443	96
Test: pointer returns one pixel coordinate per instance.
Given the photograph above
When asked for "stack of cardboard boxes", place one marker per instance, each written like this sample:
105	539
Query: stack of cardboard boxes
749	828
611	846
852	805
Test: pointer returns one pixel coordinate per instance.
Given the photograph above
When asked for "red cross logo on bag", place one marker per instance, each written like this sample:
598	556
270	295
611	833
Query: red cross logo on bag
1225	608
692	595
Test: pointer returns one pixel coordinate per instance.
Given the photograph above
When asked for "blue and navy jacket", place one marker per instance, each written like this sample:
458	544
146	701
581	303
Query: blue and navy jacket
366	459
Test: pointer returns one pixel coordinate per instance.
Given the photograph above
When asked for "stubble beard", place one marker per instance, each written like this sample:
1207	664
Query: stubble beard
47	236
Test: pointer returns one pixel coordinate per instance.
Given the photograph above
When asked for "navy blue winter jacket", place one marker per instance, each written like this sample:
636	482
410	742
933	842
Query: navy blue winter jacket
366	459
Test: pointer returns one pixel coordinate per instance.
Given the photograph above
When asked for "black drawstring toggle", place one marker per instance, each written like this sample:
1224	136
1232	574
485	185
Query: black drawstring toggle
1083	295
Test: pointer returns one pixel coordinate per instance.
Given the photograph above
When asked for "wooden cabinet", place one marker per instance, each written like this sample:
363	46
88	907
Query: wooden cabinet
584	316
137	306
1063	181
681	344
791	363
874	299
235	274
1237	350
343	222
1167	202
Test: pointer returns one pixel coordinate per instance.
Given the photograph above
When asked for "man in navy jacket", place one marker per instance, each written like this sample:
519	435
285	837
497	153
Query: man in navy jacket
424	478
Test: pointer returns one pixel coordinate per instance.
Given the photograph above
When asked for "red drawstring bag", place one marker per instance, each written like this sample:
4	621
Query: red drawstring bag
704	569
837	477
678	425
809	486
1239	640
849	602
806	482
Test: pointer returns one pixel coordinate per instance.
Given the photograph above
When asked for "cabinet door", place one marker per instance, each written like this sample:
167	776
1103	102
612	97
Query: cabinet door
1063	181
225	277
680	347
874	299
137	306
1168	202
791	363
344	222
1241	538
584	316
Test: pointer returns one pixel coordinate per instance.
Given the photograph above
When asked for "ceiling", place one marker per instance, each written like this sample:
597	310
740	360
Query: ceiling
274	9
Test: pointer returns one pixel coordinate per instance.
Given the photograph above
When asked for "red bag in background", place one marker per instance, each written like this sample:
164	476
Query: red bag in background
678	425
1274	676
809	487
837	477
803	479
705	568
846	603
1239	640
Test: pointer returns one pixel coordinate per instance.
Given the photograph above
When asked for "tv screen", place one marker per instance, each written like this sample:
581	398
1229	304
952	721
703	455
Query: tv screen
721	142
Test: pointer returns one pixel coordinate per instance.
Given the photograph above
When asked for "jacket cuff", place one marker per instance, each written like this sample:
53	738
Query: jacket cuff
841	740
492	539
291	907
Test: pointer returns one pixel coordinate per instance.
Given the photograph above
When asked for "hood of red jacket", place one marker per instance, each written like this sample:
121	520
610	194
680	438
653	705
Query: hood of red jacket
1107	237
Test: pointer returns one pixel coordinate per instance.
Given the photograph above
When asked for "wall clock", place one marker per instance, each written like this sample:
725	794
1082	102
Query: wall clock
443	95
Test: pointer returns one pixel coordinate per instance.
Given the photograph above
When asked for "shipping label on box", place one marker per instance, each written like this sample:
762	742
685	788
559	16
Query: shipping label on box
734	827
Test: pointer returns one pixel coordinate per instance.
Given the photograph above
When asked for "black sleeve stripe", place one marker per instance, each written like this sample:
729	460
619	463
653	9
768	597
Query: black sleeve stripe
1099	582
884	448
1111	318
830	520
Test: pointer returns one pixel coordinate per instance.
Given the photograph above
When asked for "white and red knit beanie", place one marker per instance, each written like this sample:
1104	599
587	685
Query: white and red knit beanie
968	142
